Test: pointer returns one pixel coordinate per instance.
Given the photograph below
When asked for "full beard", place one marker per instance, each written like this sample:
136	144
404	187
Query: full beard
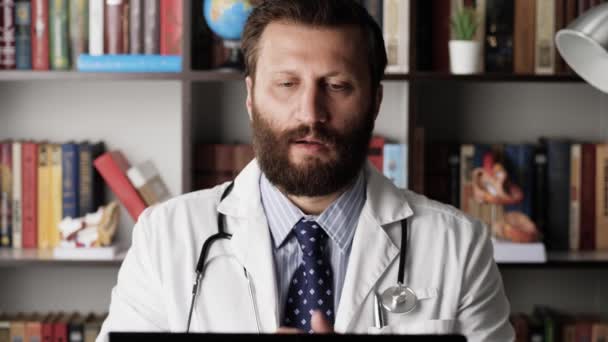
313	176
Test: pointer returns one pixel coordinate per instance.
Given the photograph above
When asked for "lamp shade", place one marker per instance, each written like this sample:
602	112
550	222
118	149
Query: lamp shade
584	46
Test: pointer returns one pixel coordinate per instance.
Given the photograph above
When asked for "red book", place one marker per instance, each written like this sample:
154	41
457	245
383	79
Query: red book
29	177
376	152
441	35
60	331
171	28
113	167
588	195
114	27
40	35
47	331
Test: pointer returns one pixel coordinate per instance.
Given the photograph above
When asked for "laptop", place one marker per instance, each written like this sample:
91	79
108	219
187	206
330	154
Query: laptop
182	337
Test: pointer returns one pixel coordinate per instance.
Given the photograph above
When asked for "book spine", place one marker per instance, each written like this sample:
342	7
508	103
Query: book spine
523	44
440	35
40	35
129	63
136	27
520	167
544	53
126	19
601	193
6	196
17	208
23	43
44	196
96	27
454	176
113	27
396	34
79	28
376	148
171	27
151	27
58	39
395	164
90	190
30	195
7	35
588	196
70	183
575	196
560	22
558	197
499	31
113	167
467	153
56	201
480	34
540	188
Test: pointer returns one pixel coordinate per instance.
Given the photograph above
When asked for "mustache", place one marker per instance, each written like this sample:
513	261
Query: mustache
318	132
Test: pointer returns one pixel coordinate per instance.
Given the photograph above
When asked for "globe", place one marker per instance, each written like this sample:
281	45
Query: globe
227	18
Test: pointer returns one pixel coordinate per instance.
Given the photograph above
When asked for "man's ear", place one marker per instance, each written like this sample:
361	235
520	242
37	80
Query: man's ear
249	100
379	97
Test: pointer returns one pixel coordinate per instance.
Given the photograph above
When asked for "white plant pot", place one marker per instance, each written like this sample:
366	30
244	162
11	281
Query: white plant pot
465	56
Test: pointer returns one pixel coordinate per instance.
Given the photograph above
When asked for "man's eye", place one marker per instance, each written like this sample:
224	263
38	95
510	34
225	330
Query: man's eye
337	86
286	84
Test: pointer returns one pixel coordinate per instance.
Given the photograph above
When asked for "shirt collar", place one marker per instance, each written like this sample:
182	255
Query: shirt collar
338	220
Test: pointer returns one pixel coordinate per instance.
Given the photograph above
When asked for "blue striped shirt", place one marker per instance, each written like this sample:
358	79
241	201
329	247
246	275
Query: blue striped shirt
339	221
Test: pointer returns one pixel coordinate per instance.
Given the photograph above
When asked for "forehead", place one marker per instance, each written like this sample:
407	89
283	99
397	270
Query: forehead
288	45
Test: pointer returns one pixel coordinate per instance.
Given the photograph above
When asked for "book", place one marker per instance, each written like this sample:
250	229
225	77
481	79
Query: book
40	35
601	197
395	164
588	197
7	35
79	28
152	27
136	30
6	166
96	27
23	23
519	163
150	186
30	194
17	208
70	168
376	149
523	36
90	190
129	63
499	36
113	167
575	196
558	194
544	53
440	31
171	27
113	27
33	329
467	153
59	42
17	329
56	195
512	252
540	187
44	196
395	25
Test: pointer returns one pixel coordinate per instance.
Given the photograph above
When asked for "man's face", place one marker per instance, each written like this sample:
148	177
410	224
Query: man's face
312	107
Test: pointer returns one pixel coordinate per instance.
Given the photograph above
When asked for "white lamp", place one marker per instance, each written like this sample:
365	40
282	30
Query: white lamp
584	46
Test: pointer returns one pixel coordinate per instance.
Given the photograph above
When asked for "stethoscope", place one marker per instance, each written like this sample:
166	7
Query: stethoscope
398	299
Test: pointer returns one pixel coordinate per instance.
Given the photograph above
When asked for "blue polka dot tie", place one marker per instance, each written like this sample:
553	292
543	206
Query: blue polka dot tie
311	288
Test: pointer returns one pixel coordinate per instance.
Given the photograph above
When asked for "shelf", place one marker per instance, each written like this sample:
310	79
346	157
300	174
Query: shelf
565	259
29	257
494	77
27	75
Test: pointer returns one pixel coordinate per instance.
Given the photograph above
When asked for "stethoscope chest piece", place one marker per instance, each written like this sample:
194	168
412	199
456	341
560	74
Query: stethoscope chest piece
399	299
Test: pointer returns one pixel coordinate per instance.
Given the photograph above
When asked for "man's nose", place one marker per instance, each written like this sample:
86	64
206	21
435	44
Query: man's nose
313	106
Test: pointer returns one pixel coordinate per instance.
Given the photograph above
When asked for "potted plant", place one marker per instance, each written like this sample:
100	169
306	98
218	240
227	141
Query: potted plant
465	52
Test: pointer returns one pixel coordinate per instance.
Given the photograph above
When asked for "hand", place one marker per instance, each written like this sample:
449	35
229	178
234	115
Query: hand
318	323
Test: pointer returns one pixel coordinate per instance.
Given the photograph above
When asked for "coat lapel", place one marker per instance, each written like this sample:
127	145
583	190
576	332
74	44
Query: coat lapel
251	242
373	251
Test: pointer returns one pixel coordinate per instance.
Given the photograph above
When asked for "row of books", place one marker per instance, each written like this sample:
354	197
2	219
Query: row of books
41	184
517	35
91	35
550	325
218	163
51	327
563	185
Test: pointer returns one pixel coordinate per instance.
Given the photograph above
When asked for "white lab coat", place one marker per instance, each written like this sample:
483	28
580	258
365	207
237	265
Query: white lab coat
449	266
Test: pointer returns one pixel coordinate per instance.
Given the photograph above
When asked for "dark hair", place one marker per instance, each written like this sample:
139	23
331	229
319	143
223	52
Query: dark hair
320	13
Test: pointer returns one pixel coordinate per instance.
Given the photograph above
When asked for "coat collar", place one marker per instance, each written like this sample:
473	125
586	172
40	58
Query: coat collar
373	251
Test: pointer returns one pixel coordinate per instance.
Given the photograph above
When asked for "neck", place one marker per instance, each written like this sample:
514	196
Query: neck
314	205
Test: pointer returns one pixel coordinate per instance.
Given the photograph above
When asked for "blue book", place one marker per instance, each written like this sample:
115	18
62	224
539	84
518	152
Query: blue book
519	162
395	164
70	171
129	63
23	42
